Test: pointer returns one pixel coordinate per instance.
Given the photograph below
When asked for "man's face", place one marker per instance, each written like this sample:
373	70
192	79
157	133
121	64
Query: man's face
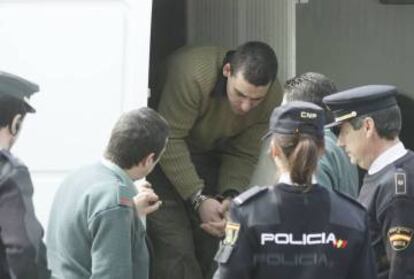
356	144
244	96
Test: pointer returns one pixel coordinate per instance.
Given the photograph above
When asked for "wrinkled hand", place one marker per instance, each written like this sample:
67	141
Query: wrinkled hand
212	217
146	201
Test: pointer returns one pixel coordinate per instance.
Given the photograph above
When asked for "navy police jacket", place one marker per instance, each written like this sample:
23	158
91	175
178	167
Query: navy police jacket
389	197
289	231
22	251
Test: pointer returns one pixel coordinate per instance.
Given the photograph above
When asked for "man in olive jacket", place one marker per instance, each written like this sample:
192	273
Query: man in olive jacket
217	103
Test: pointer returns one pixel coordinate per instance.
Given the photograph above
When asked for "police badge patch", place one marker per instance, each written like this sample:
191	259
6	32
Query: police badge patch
226	247
232	233
400	237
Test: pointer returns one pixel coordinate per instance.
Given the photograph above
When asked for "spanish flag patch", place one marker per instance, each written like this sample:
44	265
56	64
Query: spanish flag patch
400	237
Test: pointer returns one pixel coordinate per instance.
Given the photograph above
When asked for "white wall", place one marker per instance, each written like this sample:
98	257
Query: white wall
91	60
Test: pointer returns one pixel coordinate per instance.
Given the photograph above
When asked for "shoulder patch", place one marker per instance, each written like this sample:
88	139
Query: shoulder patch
232	233
245	196
125	197
400	182
400	237
226	246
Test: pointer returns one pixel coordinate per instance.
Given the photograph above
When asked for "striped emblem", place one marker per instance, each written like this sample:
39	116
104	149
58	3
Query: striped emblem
400	237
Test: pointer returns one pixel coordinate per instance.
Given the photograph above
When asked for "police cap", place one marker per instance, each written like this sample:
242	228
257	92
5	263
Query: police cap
17	87
359	101
297	117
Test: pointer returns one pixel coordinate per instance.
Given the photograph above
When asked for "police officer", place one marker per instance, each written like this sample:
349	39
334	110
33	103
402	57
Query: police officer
296	228
22	252
369	120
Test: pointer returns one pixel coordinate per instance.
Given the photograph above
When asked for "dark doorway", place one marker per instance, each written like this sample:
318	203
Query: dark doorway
168	33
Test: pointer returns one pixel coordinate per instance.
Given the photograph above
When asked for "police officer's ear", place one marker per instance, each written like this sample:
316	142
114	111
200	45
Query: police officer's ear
278	155
16	124
227	70
369	127
276	151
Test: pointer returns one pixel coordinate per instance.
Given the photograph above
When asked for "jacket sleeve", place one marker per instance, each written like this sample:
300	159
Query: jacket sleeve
20	251
180	104
363	265
397	230
112	237
235	255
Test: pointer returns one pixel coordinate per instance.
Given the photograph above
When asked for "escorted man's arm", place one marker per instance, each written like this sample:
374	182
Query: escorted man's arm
112	237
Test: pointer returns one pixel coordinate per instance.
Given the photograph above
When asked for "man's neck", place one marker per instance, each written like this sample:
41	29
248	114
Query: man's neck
5	139
382	146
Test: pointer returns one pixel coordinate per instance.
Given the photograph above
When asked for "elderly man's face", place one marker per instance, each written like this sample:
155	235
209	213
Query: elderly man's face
356	144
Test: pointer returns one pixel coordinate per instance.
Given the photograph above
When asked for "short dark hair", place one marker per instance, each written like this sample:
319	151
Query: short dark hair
257	61
9	108
137	134
310	87
387	122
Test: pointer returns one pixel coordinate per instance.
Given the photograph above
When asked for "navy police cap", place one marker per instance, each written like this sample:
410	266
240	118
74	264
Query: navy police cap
297	117
17	87
358	101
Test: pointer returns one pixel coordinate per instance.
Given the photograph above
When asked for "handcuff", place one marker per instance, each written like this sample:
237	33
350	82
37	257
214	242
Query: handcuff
196	199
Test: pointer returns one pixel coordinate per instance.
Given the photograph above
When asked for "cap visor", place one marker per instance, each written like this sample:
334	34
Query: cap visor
29	108
332	124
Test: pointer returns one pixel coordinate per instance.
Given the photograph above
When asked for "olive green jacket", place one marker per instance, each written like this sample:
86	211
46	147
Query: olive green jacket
201	122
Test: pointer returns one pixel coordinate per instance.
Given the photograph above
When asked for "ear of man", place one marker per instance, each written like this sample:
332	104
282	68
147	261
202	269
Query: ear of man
227	70
369	127
148	160
16	124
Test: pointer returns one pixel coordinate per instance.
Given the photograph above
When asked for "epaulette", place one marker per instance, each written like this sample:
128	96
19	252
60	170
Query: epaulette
125	196
400	182
243	197
350	199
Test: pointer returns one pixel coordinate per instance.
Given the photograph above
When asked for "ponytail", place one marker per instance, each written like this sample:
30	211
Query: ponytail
303	161
302	152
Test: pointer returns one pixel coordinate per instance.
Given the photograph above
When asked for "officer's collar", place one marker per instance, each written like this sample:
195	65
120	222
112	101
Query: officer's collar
117	170
387	157
285	178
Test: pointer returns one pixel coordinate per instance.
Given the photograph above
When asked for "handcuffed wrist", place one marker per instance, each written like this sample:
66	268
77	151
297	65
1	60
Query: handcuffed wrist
196	199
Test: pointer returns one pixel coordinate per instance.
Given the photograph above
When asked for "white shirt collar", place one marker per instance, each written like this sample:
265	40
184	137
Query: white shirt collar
285	178
387	157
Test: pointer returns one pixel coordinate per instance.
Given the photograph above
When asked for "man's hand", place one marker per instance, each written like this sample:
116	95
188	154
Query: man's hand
212	217
225	206
146	201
